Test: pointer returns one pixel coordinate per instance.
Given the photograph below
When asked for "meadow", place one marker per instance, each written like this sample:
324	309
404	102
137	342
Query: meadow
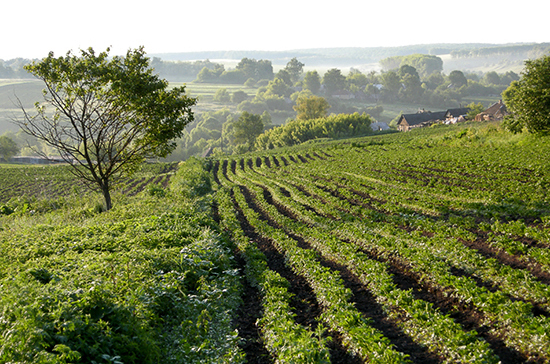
431	246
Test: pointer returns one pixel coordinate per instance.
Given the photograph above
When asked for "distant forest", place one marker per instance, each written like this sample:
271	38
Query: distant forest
185	66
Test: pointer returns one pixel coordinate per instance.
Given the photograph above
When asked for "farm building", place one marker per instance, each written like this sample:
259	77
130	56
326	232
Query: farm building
453	116
497	111
420	119
423	118
37	160
379	126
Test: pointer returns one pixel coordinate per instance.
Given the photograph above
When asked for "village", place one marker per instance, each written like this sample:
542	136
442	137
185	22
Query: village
424	118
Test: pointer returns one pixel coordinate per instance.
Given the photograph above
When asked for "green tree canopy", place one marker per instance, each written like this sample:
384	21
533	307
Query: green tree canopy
247	128
312	82
222	95
238	97
258	70
528	99
311	107
391	82
294	69
334	81
105	115
8	148
457	78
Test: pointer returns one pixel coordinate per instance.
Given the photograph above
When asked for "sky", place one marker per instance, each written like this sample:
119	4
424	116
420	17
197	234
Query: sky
33	28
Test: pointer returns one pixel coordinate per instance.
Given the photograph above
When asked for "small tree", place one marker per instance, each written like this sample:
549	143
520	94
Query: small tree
106	115
222	95
8	148
474	110
295	69
312	82
311	107
528	99
247	129
334	81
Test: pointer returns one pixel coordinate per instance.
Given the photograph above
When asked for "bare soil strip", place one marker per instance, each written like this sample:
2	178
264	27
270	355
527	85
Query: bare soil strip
483	248
215	169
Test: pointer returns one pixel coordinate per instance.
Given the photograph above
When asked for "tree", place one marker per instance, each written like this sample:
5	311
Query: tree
334	81
247	128
457	79
491	78
311	107
391	83
294	69
357	78
8	148
258	70
279	87
109	114
312	82
528	99
222	95
474	110
238	97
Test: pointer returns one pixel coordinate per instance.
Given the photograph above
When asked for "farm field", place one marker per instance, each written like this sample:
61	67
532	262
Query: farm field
431	246
425	247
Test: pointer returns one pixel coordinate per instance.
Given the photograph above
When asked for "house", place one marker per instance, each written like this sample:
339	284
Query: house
379	126
497	111
422	118
453	116
37	160
343	95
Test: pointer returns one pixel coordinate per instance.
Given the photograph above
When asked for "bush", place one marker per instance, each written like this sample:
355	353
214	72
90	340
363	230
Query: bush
192	179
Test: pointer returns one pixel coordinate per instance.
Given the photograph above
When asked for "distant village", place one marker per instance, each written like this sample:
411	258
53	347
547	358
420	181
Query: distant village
424	118
406	122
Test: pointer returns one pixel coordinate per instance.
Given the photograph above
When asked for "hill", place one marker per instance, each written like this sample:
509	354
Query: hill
463	56
423	247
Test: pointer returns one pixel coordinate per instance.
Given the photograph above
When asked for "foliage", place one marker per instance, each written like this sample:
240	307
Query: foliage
8	148
312	82
192	179
109	114
150	281
311	107
258	70
474	110
529	98
334	81
294	69
423	63
222	95
298	131
247	128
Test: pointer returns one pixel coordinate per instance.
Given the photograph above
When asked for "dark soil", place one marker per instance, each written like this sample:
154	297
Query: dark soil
304	302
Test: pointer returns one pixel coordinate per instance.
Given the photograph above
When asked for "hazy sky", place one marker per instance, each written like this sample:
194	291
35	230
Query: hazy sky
32	28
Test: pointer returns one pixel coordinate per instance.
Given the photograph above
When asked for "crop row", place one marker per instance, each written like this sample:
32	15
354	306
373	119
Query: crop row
417	318
345	213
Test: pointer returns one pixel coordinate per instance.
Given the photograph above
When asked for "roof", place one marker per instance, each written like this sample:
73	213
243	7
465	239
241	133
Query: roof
421	117
496	111
495	108
457	112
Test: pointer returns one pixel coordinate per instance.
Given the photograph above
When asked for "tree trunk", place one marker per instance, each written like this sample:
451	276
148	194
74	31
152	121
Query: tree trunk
106	195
